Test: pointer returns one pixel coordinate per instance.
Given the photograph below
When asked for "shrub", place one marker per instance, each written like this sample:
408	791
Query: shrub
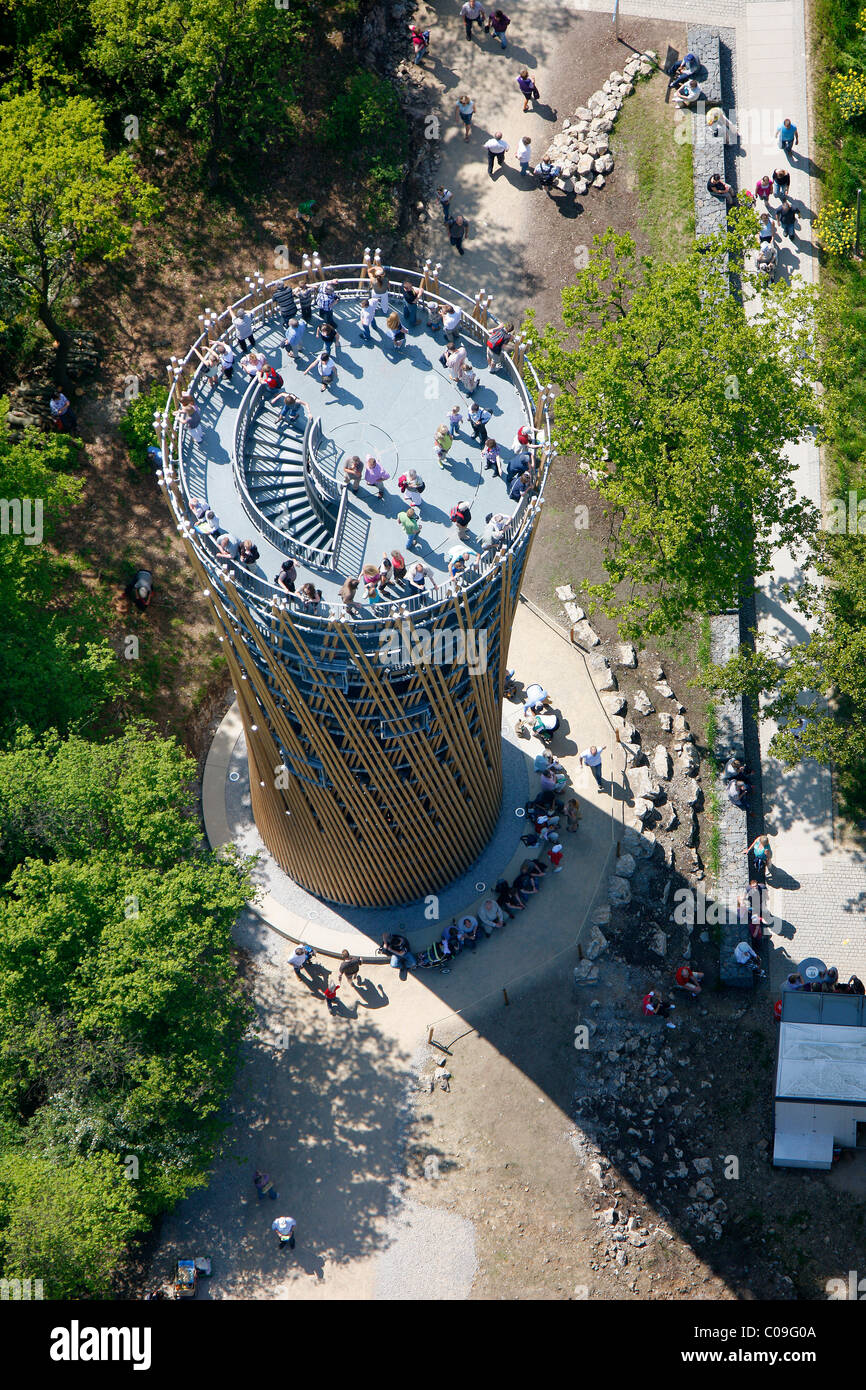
136	427
848	90
835	228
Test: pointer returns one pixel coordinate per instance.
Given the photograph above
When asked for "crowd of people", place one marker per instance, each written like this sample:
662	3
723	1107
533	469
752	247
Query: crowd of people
518	467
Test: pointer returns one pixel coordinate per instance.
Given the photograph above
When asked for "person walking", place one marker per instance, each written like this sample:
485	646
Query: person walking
442	442
62	413
528	89
285	1227
294	338
263	1185
350	968
496	148
471	13
762	856
411	524
496	25
286	577
524	154
788	219
326	368
788	137
420	42
330	993
458	228
781	182
300	959
465	112
444	196
591	758
763	189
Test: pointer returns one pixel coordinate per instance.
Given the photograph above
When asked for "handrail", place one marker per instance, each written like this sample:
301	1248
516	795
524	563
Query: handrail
350	289
327	487
341	521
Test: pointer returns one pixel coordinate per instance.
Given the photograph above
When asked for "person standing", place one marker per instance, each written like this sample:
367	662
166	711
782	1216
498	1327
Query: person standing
410	301
591	758
451	321
294	336
263	1185
375	475
524	155
457	230
465	112
365	320
350	968
528	89
62	413
191	418
325	302
352	471
304	296
442	442
478	418
300	959
461	517
420	42
243	325
472	13
444	195
285	1227
788	136
398	567
496	148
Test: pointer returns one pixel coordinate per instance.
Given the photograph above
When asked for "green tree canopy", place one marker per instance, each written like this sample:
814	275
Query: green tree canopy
824	679
56	665
65	1223
679	406
63	199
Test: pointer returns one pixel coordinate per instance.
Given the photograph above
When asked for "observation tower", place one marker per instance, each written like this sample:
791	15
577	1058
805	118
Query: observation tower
372	729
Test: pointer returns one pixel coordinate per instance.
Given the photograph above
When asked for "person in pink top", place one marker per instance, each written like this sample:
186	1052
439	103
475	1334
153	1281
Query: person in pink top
375	474
763	189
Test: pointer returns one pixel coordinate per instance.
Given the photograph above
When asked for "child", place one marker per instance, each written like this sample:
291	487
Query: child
555	857
524	154
331	992
366	318
434	316
398	567
455	420
441	444
444	195
572	816
490	457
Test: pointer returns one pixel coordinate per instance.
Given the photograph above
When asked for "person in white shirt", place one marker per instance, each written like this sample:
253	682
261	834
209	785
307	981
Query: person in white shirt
418	576
496	148
285	1227
591	758
451	320
243	326
490	915
472	13
524	153
744	954
299	958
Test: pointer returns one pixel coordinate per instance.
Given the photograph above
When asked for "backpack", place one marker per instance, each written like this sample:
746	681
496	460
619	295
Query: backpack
496	340
273	380
425	34
461	514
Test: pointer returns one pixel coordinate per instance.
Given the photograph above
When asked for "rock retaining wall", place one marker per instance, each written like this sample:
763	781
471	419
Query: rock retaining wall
708	142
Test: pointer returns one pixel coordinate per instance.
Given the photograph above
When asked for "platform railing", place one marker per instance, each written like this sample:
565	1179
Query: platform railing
349	288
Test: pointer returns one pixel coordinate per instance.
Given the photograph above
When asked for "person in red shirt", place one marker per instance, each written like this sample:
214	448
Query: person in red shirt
689	979
653	1004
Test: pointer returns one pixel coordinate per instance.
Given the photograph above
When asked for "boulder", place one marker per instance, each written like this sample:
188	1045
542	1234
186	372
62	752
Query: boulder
565	592
625	655
643	784
702	1165
643	810
689	761
614	704
602	676
665	722
662	762
583	113
658	943
595	943
586	635
642	703
625	865
604	163
585	164
581	187
574	613
618	891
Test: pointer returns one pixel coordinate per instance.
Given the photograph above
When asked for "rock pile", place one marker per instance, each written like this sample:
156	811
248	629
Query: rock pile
582	147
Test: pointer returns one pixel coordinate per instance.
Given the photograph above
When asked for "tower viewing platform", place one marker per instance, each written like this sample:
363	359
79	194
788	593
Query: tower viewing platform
371	727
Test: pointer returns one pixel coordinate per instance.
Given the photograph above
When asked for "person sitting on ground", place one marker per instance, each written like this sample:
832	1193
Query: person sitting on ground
140	589
469	931
680	72
491	916
689	979
248	553
535	868
290	406
526	885
655	1007
508	898
689	94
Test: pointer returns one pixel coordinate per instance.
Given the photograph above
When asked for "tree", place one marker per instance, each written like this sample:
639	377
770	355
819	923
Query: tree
56	665
221	69
65	1223
63	200
131	796
822	680
679	407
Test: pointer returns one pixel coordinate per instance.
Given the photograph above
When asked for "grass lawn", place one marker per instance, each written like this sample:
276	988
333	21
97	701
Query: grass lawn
657	169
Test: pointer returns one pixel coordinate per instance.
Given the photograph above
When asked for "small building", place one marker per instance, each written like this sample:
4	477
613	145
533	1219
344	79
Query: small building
820	1097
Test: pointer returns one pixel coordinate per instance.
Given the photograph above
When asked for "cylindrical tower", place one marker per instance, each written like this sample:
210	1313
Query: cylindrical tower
372	729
